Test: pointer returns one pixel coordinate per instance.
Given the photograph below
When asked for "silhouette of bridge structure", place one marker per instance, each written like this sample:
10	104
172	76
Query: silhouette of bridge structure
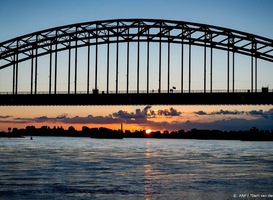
127	36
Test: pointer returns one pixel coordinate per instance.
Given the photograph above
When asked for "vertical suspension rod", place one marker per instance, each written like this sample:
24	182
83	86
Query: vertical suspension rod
16	87
32	65
211	62
36	73
16	82
233	71
189	66
256	77
228	68
14	72
128	61
88	63
117	63
205	67
169	65
182	62
108	62
69	65
252	72
138	61
96	60
148	61
76	59
159	63
50	69
56	63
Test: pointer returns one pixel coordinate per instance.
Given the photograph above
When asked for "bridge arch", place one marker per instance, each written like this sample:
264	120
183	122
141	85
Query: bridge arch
95	33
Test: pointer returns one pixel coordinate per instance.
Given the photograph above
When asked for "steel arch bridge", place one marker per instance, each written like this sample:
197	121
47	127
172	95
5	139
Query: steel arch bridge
187	34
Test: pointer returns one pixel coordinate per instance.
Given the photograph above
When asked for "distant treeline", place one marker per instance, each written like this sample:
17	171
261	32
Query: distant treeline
253	134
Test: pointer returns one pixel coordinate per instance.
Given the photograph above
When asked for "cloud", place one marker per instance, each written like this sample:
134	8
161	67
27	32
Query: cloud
227	112
168	112
263	114
200	112
5	117
220	112
147	112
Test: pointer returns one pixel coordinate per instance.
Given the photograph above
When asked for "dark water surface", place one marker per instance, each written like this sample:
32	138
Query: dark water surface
84	168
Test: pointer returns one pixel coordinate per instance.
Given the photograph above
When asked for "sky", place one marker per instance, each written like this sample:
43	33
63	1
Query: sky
252	16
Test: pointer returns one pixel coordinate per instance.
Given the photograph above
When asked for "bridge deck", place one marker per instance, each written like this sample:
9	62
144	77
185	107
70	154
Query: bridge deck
258	98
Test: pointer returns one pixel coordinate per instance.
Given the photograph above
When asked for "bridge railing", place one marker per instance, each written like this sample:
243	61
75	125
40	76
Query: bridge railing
140	92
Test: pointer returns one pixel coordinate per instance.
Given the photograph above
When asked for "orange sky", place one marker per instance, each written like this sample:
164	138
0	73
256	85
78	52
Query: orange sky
162	119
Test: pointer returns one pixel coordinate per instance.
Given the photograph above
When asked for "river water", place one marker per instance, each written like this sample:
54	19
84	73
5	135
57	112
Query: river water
85	168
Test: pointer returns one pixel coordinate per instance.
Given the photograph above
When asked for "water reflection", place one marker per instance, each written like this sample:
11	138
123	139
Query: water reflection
148	172
78	168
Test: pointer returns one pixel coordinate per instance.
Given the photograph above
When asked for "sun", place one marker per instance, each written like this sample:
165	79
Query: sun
148	131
